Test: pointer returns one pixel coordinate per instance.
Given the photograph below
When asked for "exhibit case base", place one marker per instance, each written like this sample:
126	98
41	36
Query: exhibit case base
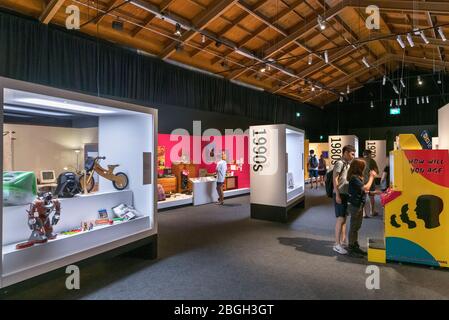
275	213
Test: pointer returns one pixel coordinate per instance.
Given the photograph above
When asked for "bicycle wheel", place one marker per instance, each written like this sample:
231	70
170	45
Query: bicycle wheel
90	184
121	185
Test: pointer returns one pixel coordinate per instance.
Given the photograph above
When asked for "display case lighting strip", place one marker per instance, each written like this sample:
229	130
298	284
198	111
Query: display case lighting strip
64	105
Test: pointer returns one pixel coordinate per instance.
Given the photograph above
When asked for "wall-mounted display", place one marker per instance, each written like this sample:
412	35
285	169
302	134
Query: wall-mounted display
277	170
53	223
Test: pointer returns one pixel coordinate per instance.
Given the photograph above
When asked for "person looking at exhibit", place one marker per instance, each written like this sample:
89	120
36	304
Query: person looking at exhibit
313	169
357	191
385	179
321	169
340	196
371	164
221	169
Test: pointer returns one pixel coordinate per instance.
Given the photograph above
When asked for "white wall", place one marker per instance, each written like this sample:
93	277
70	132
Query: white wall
443	127
39	148
122	140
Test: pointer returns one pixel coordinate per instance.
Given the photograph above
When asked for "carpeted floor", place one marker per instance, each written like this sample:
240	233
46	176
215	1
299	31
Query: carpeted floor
214	252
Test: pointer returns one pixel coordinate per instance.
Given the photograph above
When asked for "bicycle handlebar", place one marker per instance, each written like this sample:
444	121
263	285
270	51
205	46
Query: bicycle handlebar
101	158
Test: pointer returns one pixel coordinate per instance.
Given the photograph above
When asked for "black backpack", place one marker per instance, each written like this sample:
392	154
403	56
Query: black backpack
68	185
329	183
313	162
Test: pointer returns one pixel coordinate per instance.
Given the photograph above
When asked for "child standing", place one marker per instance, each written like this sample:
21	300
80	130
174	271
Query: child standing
357	196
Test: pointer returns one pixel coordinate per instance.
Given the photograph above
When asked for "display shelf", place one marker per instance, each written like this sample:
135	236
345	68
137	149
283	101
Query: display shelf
17	260
294	193
171	202
236	192
73	212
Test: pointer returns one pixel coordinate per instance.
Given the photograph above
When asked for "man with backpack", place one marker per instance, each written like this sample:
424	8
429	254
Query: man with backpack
340	196
313	168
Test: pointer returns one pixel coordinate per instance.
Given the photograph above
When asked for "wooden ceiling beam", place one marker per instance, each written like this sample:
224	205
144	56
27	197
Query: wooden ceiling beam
50	11
199	23
164	6
403	5
110	8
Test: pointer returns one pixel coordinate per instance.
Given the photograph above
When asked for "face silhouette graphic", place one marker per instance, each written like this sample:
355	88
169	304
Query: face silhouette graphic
429	208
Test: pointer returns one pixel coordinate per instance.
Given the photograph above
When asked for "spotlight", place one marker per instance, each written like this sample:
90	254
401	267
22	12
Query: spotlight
326	57
203	38
321	22
427	99
384	80
424	38
178	30
402	83
395	89
341	99
441	32
365	62
401	43
312	88
400	101
348	91
417	100
391	102
310	59
298	114
405	101
420	82
117	25
263	69
410	40
372	104
422	100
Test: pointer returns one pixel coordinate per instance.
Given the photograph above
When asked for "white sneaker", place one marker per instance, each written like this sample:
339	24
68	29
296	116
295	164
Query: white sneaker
338	248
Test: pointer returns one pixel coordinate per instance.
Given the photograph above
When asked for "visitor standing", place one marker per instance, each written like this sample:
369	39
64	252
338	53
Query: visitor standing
221	175
371	164
340	196
322	169
313	169
357	191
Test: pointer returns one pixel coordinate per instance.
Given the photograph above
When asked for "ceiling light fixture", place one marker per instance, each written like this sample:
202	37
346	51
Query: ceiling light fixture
424	38
64	105
422	100
372	104
341	99
405	101
402	83
391	102
410	40
427	99
420	82
321	22
326	57
417	100
263	69
348	90
312	88
441	32
178	30
384	80
395	89
365	62
310	59
203	38
401	43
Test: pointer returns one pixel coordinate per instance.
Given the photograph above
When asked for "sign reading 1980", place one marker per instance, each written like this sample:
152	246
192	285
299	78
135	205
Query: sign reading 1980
335	149
259	149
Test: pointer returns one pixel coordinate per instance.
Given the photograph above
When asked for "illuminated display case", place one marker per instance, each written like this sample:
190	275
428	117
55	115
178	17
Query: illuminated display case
277	170
51	127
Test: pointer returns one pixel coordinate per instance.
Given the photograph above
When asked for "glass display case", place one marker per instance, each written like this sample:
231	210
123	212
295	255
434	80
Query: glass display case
91	201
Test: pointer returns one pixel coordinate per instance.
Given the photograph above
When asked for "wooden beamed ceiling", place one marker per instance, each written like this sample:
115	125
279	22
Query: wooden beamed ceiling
237	38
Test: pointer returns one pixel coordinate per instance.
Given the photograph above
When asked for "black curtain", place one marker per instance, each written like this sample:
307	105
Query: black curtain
54	56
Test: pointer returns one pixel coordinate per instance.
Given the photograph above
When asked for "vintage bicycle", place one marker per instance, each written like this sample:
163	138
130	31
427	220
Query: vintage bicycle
119	180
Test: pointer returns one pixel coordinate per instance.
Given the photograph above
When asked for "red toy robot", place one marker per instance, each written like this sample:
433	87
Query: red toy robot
39	219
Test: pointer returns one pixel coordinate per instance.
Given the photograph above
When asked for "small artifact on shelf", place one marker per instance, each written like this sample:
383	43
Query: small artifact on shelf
39	220
125	211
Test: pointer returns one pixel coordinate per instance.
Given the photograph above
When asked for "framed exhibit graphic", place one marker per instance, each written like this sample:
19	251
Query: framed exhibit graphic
104	203
276	154
378	153
336	144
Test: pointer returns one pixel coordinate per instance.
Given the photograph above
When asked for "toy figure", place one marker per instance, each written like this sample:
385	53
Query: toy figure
39	219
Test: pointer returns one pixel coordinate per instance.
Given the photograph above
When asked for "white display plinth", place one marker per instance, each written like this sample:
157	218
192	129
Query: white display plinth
181	200
204	190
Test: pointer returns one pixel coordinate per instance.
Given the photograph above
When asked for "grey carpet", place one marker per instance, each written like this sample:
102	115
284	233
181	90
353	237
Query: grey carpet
214	252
